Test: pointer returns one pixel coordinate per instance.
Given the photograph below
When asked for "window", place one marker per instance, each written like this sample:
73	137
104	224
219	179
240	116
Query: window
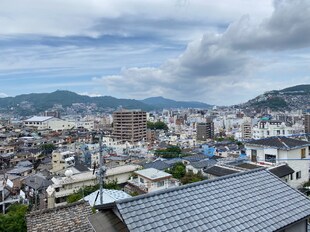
298	175
160	183
303	153
141	180
270	158
291	176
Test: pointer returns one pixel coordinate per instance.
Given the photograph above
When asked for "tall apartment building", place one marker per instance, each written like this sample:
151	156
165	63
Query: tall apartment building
129	125
307	123
205	130
246	130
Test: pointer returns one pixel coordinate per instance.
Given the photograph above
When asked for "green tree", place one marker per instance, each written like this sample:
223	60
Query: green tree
157	125
178	170
14	220
47	148
190	177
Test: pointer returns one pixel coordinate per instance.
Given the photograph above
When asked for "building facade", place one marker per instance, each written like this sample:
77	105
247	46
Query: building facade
205	130
129	125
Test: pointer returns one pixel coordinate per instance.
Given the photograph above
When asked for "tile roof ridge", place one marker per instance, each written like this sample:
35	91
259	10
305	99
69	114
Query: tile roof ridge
37	212
187	186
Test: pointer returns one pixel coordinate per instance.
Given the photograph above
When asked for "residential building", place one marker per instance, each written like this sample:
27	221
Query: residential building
62	160
248	201
276	150
269	128
307	123
205	130
149	180
246	130
62	187
129	125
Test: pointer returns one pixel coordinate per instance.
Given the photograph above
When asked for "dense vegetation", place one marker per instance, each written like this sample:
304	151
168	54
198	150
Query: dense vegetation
47	148
273	103
178	171
157	125
170	152
14	220
43	101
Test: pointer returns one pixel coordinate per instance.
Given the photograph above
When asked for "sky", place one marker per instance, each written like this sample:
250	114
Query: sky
218	52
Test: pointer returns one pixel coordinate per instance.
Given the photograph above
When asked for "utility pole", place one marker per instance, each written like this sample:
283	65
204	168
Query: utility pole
102	169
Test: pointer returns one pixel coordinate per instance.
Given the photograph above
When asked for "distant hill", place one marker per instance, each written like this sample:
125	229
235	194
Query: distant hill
291	98
30	104
161	102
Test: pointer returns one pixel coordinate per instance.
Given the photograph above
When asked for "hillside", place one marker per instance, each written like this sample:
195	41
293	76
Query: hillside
30	104
35	103
292	98
161	102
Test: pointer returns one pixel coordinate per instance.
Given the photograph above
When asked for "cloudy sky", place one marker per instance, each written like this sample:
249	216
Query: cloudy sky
219	52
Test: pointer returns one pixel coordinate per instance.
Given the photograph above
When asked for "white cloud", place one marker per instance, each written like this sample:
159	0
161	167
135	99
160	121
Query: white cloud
2	95
221	68
118	17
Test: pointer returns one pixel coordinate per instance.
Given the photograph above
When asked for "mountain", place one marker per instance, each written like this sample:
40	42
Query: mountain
161	102
292	98
31	104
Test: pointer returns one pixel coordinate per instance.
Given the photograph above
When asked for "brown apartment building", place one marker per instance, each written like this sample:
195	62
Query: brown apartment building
129	125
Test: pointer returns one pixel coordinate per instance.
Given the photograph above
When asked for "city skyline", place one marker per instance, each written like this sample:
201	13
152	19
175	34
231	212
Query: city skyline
215	52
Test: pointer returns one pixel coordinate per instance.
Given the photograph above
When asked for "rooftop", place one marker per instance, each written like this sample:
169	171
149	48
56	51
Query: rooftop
249	201
282	143
37	119
153	174
109	196
71	217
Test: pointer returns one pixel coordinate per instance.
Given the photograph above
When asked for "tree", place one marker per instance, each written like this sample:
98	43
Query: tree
190	177
47	148
14	220
157	125
178	170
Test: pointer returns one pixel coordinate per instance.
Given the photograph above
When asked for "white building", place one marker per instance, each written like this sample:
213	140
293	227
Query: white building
62	160
151	179
269	128
48	123
63	187
275	150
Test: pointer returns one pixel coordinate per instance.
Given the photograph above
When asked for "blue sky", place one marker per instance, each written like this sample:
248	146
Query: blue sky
219	52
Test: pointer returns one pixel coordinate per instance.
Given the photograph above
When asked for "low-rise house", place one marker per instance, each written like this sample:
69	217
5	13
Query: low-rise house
275	150
62	187
249	201
149	180
282	170
120	174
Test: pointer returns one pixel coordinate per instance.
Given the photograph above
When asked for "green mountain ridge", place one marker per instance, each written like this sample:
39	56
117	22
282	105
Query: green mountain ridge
34	103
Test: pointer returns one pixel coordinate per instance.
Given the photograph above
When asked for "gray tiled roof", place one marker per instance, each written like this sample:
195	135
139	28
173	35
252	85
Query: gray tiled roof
248	201
71	218
220	171
158	164
282	171
279	142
